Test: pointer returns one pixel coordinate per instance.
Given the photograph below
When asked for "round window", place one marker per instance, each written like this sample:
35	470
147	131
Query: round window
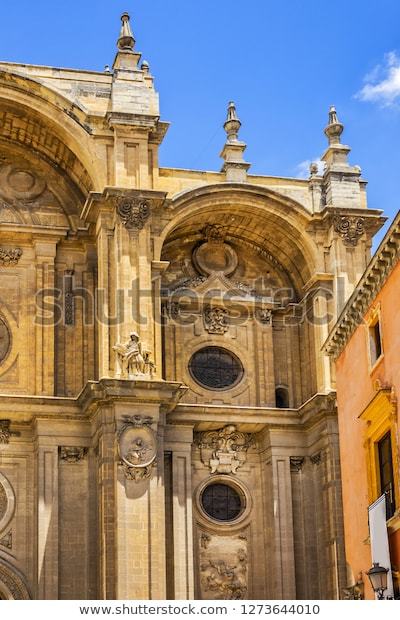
215	368
222	502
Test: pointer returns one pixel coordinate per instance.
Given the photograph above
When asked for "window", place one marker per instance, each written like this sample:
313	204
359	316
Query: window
381	450
282	398
222	502
386	478
375	342
215	368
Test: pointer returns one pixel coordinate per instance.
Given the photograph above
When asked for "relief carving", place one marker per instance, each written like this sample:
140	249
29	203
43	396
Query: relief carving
137	446
9	256
5	432
69	305
223	567
225	450
3	501
72	454
215	255
5	341
350	228
134	212
296	463
6	541
133	359
265	316
216	320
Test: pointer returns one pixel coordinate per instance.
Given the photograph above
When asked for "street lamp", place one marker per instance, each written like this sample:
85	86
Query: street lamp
378	578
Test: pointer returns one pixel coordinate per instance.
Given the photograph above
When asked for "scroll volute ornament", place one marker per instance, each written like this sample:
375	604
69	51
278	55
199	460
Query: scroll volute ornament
134	211
350	228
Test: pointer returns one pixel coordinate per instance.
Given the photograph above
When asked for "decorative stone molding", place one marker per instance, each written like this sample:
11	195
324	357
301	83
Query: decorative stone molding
296	463
9	256
225	450
216	320
133	211
378	270
7	503
69	306
72	454
137	447
6	541
350	228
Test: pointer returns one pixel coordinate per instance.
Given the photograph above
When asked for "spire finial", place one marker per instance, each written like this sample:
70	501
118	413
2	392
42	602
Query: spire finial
235	167
232	123
334	129
126	40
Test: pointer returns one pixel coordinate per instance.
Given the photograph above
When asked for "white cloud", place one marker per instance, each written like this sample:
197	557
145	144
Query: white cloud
302	169
382	84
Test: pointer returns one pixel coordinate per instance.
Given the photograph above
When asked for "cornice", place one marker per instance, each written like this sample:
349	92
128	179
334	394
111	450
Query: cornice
372	281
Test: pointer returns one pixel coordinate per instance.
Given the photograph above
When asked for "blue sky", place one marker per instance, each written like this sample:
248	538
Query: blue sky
282	62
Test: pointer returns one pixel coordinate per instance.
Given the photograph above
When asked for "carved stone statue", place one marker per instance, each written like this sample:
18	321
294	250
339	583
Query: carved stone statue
133	359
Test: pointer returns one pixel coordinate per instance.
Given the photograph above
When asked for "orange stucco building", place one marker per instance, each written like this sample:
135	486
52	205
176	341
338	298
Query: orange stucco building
365	344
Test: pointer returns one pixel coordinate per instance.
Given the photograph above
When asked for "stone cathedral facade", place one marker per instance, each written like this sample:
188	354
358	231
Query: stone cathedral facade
167	418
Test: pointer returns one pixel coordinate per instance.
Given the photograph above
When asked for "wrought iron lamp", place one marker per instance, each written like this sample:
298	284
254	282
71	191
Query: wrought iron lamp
378	578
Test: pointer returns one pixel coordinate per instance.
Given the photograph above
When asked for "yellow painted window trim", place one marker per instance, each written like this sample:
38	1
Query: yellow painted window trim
372	318
381	417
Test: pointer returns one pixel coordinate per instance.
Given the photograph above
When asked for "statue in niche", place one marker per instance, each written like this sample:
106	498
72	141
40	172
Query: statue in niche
133	358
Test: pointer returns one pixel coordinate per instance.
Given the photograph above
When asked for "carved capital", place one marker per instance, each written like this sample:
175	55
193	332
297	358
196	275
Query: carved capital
9	256
350	228
5	432
134	211
72	454
296	463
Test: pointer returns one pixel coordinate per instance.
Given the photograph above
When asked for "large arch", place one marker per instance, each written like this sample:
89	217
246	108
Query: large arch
271	222
41	119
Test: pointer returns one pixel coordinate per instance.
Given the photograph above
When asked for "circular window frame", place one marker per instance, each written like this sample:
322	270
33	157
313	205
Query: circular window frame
209	388
240	489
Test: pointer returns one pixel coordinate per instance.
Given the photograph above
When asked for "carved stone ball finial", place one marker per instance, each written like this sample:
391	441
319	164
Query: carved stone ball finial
232	123
334	129
145	67
126	39
313	168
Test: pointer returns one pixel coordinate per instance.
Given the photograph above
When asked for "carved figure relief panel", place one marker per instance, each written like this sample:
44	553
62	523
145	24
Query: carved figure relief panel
223	566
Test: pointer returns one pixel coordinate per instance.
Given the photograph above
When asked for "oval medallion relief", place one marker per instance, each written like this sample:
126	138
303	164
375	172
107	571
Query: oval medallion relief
5	340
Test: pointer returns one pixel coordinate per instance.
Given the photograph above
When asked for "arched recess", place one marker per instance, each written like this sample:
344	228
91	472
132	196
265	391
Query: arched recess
12	583
271	223
44	121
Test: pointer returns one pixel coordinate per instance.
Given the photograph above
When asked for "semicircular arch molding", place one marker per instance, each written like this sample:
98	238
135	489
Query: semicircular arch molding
43	120
12	583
